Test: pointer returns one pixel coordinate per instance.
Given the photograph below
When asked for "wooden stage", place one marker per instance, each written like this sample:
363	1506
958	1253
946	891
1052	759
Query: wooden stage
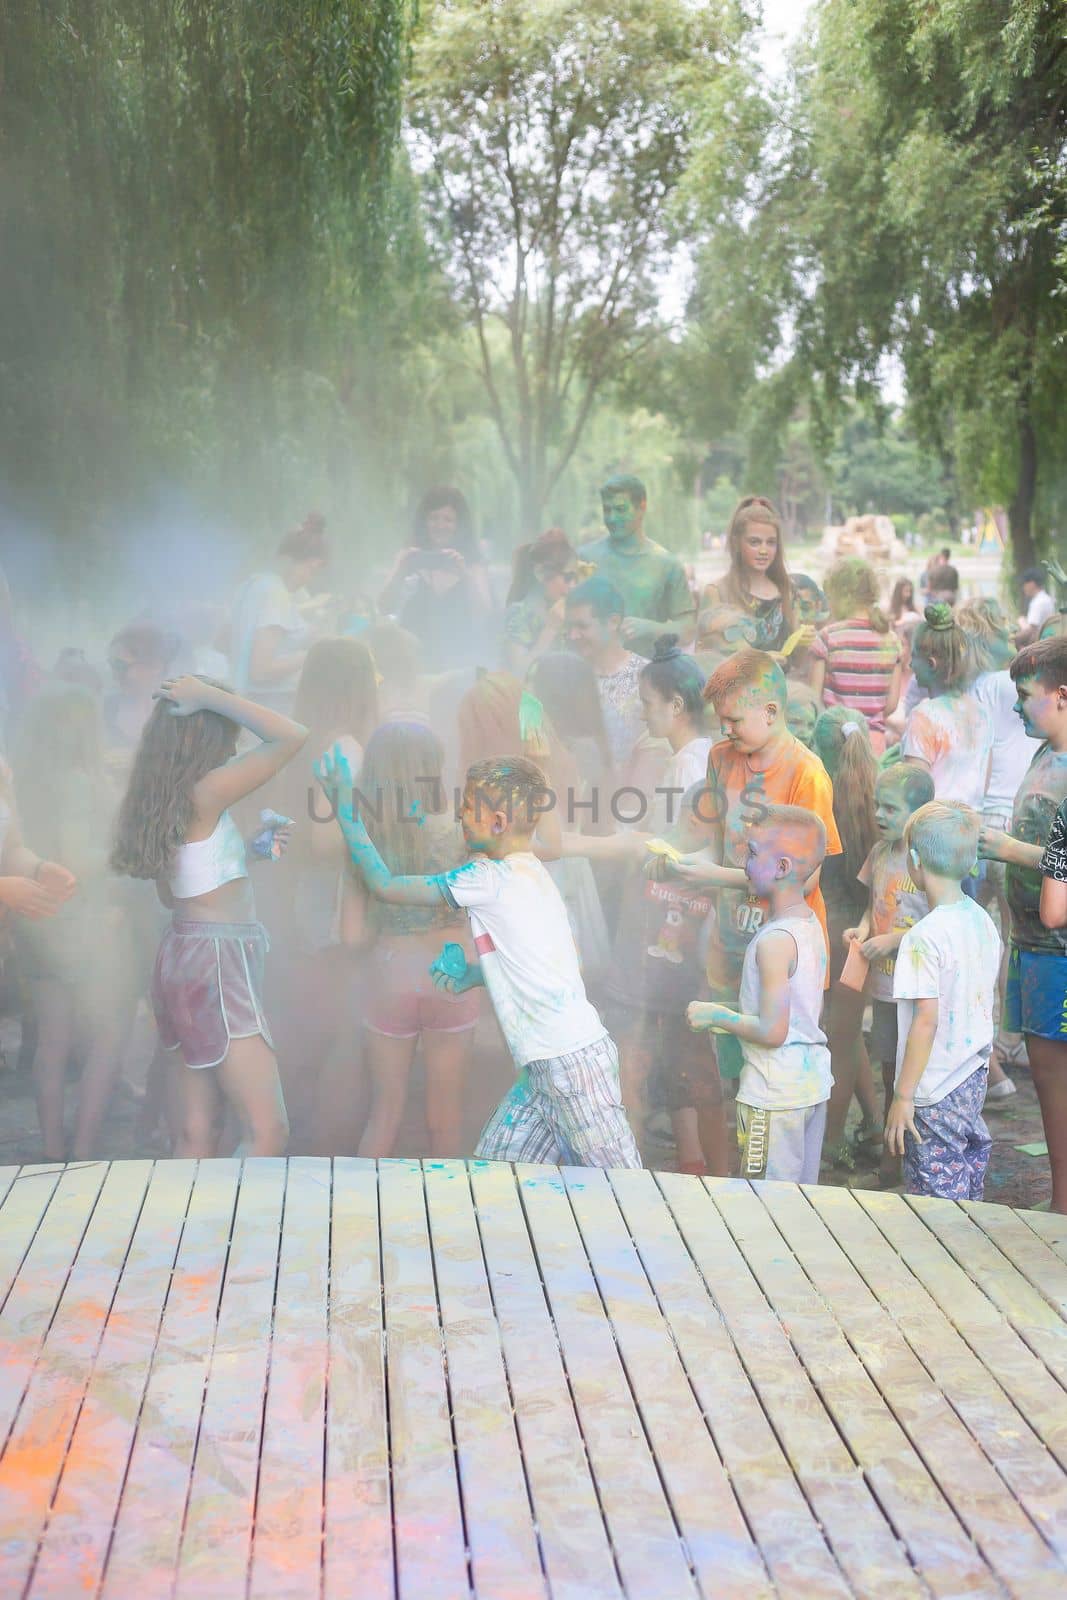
302	1378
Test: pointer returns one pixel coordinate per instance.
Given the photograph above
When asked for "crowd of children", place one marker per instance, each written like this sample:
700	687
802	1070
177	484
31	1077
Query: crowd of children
712	861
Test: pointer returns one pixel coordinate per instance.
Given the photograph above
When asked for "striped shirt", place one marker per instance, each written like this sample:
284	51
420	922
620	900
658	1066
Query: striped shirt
859	665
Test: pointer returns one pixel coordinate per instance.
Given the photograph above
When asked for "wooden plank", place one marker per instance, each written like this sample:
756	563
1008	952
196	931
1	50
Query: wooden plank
76	1539
720	1547
651	1557
358	1553
7	1178
505	1560
216	1542
431	1554
144	1550
858	1534
1050	1226
959	1338
37	1444
574	1539
788	1535
994	1298
1029	1255
24	1205
952	1467
287	1539
47	1244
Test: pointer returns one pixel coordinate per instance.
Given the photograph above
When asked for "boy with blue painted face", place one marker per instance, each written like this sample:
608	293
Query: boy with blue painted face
1035	999
566	1106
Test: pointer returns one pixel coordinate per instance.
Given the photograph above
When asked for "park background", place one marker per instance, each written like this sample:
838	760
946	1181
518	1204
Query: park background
263	255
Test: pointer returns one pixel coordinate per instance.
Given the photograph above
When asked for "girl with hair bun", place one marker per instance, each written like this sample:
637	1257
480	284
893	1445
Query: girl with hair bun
951	733
544	573
270	636
671	690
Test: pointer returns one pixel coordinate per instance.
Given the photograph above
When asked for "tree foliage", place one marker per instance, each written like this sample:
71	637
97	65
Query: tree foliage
554	135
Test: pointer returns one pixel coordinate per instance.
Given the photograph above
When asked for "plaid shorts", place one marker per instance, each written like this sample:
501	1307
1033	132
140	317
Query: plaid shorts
566	1110
207	988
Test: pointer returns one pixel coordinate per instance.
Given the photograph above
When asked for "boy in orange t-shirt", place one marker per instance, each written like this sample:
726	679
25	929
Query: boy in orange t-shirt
758	764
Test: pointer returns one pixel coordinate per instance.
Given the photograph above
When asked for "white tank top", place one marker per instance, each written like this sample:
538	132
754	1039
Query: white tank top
796	1073
207	864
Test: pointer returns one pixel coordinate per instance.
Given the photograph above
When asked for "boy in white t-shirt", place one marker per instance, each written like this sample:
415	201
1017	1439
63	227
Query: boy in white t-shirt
785	1075
566	1106
945	986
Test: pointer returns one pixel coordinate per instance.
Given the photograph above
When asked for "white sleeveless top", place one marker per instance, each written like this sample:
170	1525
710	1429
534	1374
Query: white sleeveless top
796	1073
207	864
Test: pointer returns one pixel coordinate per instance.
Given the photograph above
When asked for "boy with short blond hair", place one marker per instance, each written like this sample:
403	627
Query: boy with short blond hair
785	1076
945	986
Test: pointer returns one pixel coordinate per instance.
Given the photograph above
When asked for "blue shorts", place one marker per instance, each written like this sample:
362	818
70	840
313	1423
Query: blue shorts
1035	996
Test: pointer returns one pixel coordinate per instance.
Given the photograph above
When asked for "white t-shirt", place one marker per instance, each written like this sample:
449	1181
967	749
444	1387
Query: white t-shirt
951	956
528	957
796	1073
686	766
263	601
1041	607
953	734
1013	749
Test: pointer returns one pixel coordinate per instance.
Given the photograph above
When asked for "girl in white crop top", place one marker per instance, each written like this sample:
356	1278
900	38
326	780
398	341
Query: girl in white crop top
175	826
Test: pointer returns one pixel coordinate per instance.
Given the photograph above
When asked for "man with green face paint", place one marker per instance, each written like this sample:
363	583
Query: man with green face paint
651	581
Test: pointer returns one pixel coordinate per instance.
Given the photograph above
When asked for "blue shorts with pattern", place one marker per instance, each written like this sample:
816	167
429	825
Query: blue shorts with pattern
952	1159
567	1110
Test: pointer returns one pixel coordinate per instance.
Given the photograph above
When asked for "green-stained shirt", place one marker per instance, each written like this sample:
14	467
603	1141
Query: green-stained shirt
652	583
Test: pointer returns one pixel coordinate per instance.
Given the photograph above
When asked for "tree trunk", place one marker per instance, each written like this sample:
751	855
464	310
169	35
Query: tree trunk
1020	512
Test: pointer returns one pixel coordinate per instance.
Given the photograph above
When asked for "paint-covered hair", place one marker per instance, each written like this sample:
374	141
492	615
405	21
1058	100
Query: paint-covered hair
944	836
549	554
801	830
748	669
940	638
1046	661
674	672
754	511
843	745
988	632
852	585
625	483
172	757
600	595
913	780
517	783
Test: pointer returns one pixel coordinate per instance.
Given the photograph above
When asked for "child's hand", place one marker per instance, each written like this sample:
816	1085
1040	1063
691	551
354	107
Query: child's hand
57	881
900	1120
335	775
28	898
849	935
704	1014
186	695
882	944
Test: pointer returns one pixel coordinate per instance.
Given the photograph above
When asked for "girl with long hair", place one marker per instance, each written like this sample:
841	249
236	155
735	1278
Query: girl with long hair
316	908
951	732
671	689
544	573
175	827
843	745
439	586
757	581
902	603
856	658
408	814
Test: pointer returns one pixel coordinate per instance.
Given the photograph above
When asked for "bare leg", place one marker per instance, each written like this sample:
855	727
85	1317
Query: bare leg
196	1091
447	1062
1048	1064
249	1079
634	1064
686	1127
97	1085
714	1140
847	1052
53	1010
389	1061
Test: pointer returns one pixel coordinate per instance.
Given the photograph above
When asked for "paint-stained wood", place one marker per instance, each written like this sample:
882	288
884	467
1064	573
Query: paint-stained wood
430	1381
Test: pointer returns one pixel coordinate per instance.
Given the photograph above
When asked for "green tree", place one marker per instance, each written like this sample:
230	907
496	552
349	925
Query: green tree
917	207
553	135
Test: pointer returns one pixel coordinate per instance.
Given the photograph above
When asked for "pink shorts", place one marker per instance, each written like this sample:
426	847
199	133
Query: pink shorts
207	988
402	1001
